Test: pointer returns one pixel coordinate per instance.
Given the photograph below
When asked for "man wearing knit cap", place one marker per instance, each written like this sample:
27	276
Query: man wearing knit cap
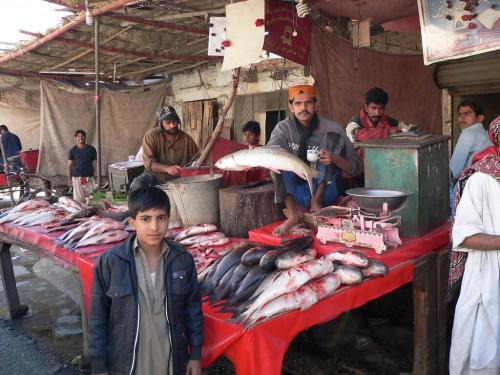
305	131
165	150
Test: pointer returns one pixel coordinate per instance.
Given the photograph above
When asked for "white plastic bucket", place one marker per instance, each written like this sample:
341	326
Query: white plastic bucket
197	198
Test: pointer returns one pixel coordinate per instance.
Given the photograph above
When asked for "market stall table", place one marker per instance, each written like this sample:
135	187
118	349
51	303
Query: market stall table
261	349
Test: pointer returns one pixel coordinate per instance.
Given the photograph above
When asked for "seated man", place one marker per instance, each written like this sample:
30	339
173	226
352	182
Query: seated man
165	150
251	134
372	123
304	130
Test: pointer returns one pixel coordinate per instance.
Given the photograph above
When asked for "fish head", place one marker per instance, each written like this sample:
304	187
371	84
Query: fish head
228	163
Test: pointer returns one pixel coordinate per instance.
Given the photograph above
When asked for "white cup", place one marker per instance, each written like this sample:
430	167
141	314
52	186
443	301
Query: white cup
131	157
312	155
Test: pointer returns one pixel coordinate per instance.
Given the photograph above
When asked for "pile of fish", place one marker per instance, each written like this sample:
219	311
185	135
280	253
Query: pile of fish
81	227
40	212
93	231
255	282
200	241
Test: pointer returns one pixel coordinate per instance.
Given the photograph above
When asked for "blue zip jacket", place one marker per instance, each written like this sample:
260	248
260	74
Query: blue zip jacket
114	303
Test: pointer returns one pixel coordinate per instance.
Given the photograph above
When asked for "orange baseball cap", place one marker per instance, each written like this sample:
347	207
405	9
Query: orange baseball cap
301	89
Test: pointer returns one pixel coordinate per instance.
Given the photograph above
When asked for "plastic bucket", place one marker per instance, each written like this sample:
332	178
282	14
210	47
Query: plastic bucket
175	220
197	198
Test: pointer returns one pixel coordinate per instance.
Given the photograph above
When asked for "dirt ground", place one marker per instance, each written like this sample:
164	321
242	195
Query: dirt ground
374	339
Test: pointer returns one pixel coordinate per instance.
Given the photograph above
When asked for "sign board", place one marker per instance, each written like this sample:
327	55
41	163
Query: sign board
216	34
244	33
453	29
287	35
361	34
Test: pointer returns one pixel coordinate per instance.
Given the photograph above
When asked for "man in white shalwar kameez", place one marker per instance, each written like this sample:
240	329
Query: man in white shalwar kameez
475	346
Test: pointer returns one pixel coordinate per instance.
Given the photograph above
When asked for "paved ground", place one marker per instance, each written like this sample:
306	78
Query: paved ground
376	339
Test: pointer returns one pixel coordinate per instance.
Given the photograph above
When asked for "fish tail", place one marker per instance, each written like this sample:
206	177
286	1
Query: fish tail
241	318
250	323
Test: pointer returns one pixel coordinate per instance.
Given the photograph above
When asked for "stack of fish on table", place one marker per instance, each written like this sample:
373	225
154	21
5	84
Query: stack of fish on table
81	226
203	242
255	282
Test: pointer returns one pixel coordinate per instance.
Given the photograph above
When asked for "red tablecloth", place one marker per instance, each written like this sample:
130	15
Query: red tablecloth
261	349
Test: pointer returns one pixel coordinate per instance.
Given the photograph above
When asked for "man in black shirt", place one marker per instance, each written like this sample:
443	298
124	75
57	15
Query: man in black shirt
81	166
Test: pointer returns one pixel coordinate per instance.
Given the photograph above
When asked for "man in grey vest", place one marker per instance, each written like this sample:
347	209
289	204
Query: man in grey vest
305	131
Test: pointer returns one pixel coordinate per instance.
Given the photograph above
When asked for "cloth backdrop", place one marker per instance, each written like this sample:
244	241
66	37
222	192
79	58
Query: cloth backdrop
23	122
413	95
125	117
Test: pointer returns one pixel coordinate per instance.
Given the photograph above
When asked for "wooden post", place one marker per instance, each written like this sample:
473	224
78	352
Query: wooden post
443	264
84	362
425	316
220	122
16	310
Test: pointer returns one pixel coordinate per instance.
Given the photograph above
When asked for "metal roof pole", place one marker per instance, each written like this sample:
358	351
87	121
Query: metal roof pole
97	101
70	25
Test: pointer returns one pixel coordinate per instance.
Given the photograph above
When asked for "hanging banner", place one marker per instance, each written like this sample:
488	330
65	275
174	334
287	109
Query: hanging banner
287	35
452	29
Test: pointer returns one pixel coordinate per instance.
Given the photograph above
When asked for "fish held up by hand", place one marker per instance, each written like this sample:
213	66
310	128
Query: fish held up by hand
275	159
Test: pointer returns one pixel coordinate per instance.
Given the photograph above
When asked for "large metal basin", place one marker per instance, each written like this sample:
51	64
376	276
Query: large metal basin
371	200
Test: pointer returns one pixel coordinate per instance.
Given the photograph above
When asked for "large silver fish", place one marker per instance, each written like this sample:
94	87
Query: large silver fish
202	238
349	258
288	281
274	158
375	269
195	230
349	275
302	298
31	205
291	259
103	238
30	216
104	225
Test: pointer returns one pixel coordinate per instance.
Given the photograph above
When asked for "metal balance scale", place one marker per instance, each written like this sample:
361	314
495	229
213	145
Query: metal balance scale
373	224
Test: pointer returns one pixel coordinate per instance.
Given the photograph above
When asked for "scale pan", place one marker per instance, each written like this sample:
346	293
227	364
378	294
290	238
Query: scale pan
371	200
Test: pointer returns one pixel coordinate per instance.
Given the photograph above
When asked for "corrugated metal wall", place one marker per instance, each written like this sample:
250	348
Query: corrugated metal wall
473	75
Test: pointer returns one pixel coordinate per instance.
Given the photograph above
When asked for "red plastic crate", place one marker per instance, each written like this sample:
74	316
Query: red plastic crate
29	159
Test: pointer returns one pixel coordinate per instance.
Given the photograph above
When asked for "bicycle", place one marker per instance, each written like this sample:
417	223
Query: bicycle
20	175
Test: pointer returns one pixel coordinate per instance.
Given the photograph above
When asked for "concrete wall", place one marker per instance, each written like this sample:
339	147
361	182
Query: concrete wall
212	83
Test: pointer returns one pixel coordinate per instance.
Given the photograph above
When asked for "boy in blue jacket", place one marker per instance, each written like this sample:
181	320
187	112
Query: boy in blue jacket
145	312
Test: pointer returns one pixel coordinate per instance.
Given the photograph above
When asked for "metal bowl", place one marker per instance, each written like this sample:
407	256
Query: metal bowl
371	200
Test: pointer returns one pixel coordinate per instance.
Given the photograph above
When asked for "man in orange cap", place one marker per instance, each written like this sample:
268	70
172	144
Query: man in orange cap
309	137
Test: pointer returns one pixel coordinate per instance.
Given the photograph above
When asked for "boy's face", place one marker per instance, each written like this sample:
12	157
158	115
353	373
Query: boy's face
250	138
151	226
